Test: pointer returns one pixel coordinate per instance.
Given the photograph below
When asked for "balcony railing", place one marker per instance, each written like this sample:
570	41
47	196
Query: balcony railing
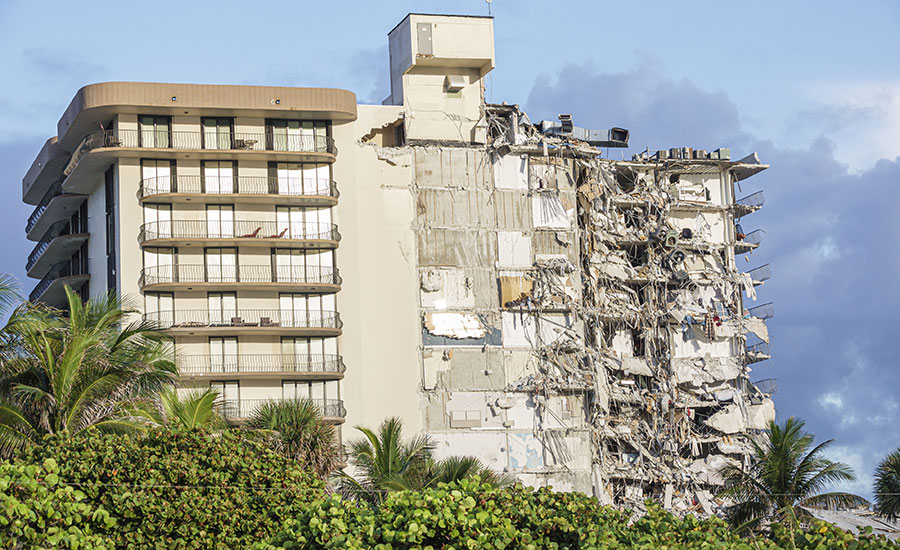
200	229
760	274
244	408
41	207
62	269
165	139
756	200
259	363
239	274
240	185
763	311
271	318
754	238
58	229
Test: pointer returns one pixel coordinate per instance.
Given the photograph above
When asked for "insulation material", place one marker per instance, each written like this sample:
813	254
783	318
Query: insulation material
510	171
548	212
455	325
514	290
513	249
520	330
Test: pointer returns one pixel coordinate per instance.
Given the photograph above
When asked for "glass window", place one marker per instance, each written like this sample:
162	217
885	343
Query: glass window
223	354
218	176
157	221
221	265
155	131
220	221
216	132
157	176
159	265
297	135
222	308
160	308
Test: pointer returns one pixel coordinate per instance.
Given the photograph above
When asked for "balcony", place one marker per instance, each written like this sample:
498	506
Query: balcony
763	311
749	204
240	409
57	245
92	154
53	207
757	352
51	289
266	234
304	278
260	365
747	242
249	189
760	275
263	321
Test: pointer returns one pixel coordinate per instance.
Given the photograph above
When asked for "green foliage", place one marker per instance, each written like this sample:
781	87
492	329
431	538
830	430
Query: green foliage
62	373
195	410
787	474
296	429
36	511
183	489
383	462
468	514
887	486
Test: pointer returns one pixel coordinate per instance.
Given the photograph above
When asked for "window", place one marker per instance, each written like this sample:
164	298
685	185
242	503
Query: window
155	131
221	265
297	135
301	310
159	266
157	176
109	189
315	390
218	176
296	266
230	394
220	221
304	223
307	354
223	354
160	307
222	308
295	178
217	132
157	221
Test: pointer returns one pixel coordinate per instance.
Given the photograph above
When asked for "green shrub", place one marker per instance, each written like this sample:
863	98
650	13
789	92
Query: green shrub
468	515
37	512
183	489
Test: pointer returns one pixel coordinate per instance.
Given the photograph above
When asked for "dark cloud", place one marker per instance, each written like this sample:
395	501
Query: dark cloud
831	239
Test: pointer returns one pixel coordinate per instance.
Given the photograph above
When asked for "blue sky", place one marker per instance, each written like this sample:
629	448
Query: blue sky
814	87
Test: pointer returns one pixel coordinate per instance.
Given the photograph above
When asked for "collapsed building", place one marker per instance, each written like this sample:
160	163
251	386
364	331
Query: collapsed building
583	320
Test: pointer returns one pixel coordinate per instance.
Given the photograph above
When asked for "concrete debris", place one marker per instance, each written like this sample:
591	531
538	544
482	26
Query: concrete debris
620	364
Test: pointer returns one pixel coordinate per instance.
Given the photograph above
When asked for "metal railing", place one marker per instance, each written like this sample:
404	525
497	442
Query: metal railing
259	363
767	386
192	273
274	318
41	207
240	185
198	139
58	229
62	269
241	229
244	408
754	200
761	273
754	238
763	311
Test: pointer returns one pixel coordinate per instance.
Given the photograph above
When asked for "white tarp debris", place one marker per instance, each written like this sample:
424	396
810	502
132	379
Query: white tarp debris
757	327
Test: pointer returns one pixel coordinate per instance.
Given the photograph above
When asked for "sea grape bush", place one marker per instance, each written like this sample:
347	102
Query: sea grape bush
36	511
470	515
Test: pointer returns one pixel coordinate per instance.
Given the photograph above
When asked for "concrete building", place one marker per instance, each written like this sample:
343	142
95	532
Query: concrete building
504	286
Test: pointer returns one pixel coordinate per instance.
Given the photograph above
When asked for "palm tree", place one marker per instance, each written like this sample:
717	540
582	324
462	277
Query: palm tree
295	428
887	486
787	474
384	463
195	410
65	372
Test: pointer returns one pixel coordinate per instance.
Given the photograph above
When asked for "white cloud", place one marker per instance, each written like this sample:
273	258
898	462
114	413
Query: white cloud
831	400
857	460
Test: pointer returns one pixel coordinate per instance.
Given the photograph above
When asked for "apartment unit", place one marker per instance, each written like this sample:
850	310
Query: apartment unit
505	286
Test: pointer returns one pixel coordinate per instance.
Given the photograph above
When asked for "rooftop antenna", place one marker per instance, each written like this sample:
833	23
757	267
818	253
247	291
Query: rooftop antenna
489	2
